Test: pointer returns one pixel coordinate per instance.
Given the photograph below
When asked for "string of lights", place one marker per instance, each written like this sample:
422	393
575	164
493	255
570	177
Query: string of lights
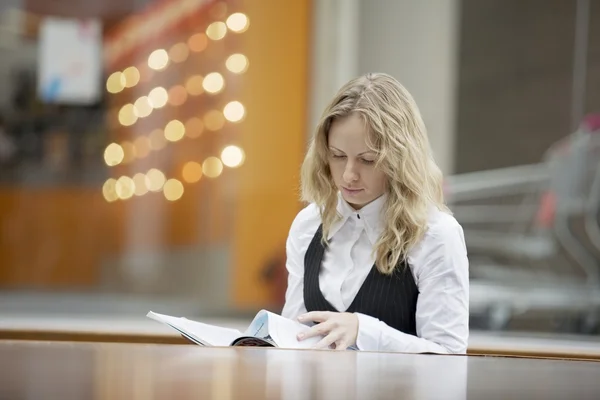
119	153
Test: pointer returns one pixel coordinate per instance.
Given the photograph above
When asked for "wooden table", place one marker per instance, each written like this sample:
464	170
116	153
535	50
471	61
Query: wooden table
111	328
79	370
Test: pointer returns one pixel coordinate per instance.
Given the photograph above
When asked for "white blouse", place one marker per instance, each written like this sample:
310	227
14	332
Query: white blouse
438	263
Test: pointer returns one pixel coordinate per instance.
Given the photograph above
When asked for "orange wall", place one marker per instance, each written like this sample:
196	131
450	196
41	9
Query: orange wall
55	238
58	238
275	92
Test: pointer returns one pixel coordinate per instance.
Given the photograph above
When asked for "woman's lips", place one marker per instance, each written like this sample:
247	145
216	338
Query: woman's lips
352	192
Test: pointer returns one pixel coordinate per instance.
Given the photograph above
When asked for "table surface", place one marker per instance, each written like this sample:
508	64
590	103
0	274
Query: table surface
69	370
111	328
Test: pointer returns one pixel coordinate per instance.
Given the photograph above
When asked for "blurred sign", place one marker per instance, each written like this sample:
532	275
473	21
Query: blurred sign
70	61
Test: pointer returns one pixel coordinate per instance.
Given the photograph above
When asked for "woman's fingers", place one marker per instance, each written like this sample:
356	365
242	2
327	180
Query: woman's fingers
327	341
321	329
315	316
341	345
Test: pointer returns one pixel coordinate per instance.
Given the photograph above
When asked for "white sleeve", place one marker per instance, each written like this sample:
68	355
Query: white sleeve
295	249
441	269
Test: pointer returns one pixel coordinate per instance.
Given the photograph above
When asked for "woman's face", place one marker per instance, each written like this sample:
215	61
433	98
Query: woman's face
352	164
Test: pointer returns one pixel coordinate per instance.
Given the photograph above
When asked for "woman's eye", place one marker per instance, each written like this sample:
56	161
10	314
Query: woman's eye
369	161
338	156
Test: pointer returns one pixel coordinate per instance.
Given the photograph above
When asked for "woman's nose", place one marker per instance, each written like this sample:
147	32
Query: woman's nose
350	173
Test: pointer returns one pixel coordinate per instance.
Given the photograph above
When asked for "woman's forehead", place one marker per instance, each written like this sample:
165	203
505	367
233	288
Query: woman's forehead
349	134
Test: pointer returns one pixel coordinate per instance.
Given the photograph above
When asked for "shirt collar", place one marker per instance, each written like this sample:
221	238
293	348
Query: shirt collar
370	217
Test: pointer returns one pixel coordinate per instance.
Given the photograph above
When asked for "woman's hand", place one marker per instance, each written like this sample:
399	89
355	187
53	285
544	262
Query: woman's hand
338	329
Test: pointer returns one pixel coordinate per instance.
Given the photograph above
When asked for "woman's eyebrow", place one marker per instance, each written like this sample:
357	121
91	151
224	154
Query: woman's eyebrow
360	154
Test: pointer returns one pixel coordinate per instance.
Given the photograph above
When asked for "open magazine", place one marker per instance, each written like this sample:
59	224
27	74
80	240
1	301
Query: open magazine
266	330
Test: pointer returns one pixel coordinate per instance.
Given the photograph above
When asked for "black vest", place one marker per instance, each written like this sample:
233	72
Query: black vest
389	298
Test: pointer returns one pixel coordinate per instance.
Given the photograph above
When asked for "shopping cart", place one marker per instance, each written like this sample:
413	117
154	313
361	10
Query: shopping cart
533	235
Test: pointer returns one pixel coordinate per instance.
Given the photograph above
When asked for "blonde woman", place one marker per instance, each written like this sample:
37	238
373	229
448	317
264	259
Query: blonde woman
376	261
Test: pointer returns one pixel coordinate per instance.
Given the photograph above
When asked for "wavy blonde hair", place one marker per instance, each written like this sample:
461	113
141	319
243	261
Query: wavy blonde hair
397	134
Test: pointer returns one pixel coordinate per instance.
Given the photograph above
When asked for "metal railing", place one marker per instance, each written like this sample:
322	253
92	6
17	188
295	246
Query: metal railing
533	231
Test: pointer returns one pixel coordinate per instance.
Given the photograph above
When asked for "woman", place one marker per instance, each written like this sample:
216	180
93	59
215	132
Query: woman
376	260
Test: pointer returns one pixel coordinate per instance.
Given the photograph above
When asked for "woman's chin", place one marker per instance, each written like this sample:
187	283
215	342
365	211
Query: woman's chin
355	201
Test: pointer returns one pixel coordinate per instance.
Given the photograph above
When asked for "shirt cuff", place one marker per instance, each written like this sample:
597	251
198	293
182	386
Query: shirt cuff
369	333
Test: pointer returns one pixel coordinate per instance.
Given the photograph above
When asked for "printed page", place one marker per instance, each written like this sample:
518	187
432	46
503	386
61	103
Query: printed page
284	332
208	335
259	327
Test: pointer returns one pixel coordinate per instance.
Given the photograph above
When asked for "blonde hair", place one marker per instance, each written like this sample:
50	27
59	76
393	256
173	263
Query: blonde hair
397	134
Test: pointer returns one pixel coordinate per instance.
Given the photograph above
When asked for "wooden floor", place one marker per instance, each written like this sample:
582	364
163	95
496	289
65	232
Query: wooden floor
67	370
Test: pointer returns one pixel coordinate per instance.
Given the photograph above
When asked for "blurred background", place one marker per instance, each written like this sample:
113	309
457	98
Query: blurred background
150	149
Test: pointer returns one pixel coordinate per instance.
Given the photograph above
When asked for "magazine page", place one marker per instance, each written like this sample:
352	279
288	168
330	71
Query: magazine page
259	327
284	332
205	334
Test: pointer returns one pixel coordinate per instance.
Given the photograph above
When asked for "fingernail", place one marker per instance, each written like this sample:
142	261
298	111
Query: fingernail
301	318
301	336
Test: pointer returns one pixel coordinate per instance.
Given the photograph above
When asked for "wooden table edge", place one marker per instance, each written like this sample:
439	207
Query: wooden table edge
87	336
141	338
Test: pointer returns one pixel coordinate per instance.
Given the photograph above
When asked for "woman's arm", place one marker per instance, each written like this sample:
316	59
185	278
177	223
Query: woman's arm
299	237
294	295
441	269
